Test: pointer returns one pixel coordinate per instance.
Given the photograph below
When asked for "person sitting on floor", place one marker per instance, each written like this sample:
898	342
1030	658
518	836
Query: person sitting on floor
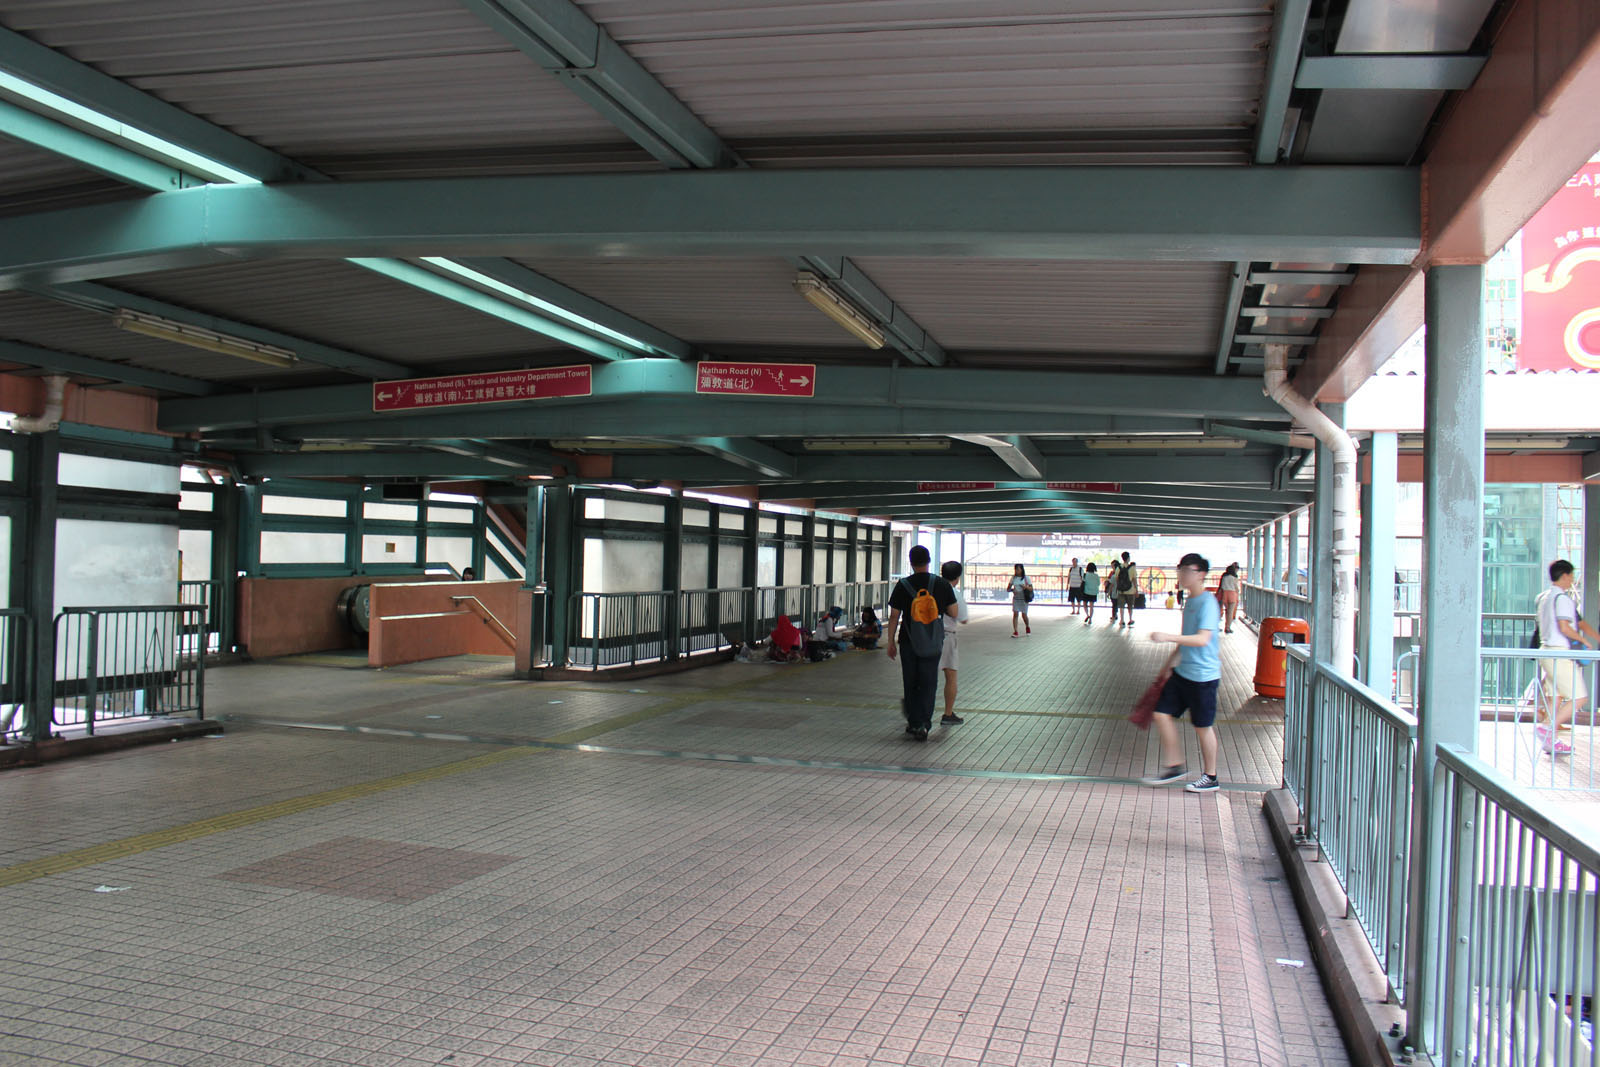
868	630
788	643
828	632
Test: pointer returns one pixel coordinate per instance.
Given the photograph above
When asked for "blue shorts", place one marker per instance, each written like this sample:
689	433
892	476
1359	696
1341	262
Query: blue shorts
1199	699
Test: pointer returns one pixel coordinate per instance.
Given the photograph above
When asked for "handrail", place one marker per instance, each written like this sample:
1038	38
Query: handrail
511	637
1515	799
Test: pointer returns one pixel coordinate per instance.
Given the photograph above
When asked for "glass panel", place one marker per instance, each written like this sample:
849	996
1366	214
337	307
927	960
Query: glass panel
768	526
97	473
194	555
696	517
450	515
696	567
101	563
402	512
195	500
280	547
302	505
456	551
390	548
621	566
730	520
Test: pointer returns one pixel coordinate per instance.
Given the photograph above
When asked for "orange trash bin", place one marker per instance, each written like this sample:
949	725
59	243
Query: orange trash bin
1272	661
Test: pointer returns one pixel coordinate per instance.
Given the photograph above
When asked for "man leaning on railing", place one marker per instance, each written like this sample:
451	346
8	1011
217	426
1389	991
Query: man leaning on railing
1560	624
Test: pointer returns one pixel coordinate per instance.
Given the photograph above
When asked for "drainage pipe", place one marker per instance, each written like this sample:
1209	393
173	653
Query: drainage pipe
55	393
1345	490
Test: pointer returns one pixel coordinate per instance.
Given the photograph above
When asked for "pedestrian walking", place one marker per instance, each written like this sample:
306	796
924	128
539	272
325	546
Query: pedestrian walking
1091	593
917	607
1127	590
1228	596
1075	585
1561	680
1191	676
950	571
1021	592
1109	584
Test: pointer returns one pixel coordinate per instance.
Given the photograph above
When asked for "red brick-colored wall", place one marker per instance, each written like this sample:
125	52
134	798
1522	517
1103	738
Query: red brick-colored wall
412	622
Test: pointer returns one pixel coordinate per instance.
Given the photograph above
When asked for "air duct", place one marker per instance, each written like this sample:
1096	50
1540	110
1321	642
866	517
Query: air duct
55	394
1276	381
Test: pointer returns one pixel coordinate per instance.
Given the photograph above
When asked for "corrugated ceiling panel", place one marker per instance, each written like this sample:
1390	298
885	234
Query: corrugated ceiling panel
999	306
47	324
34	180
705	301
313	76
760	70
337	304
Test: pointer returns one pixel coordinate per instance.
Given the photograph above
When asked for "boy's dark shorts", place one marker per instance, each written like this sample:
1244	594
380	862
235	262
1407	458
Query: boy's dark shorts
1199	699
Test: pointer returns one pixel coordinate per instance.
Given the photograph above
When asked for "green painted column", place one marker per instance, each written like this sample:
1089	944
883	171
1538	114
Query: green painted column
672	574
750	569
533	539
1275	573
225	563
43	459
851	567
249	527
1319	570
560	568
355	529
1290	578
1591	554
1375	643
1452	595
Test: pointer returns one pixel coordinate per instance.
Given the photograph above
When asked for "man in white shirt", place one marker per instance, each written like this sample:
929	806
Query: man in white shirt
1075	585
1561	680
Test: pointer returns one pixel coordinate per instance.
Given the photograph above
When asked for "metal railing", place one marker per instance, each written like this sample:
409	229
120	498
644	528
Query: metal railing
15	629
206	631
126	662
1348	758
1262	603
1521	689
1519	925
627	629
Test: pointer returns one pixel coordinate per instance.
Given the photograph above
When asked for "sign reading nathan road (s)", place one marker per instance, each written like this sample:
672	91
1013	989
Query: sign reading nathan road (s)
493	387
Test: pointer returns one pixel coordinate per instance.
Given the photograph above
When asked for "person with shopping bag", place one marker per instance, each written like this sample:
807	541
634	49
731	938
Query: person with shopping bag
1189	681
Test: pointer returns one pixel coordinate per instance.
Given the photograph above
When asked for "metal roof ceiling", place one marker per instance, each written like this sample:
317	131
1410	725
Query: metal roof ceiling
361	90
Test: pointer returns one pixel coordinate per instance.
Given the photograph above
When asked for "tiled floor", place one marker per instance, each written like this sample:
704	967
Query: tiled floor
740	865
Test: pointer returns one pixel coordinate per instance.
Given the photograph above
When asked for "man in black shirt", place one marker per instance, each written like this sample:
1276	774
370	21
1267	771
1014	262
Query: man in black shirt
909	640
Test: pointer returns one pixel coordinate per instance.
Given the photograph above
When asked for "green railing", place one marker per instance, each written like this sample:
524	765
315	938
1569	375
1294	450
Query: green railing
1348	757
1518	916
1261	603
205	631
15	629
126	662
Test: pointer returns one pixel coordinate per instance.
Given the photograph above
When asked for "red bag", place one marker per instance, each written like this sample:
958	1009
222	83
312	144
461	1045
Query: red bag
1144	709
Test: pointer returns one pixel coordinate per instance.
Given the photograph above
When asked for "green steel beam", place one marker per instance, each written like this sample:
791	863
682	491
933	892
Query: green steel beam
874	494
30	128
1319	214
1423	72
1254	469
764	460
932	503
104	299
477	300
1004	400
69	363
1230	313
1283	59
374	464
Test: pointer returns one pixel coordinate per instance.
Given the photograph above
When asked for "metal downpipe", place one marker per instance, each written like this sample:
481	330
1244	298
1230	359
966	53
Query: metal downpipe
55	393
1345	503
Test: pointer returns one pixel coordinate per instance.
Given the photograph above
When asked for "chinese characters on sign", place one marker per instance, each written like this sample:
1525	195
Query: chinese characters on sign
496	387
1086	487
756	379
951	487
1561	283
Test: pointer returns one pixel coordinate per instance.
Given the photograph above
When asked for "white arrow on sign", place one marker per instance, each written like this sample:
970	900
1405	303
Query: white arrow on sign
801	381
384	396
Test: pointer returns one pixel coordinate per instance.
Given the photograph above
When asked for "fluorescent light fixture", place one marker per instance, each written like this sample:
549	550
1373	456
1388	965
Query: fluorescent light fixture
554	310
1165	444
184	333
877	444
837	308
1414	443
146	144
606	444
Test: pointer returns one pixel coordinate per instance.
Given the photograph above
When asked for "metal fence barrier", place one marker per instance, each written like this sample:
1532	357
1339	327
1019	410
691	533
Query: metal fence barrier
205	632
1519	697
627	629
1261	603
15	630
126	662
1348	757
1519	926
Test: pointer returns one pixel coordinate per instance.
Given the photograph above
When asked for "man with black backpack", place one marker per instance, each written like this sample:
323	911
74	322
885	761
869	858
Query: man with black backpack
1127	590
917	608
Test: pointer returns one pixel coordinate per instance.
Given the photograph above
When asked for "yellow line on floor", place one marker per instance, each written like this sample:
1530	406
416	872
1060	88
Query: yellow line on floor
131	846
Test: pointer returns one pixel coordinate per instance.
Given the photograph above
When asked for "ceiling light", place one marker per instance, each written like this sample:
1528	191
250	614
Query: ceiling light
555	310
608	444
877	444
185	333
837	308
1162	443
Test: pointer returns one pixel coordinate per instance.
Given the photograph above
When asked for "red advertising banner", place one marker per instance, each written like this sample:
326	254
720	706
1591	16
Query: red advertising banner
1561	279
951	487
756	379
1086	487
494	387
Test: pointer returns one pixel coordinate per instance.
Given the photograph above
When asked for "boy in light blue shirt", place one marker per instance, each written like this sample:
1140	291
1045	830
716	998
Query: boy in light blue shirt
1192	673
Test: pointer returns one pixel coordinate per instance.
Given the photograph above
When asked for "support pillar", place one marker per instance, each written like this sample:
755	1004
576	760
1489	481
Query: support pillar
1319	569
752	556
560	568
1275	575
1591	554
39	588
1452	594
672	574
1375	644
1291	548
225	564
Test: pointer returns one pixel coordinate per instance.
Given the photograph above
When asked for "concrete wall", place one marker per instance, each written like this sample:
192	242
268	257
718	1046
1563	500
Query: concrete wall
418	621
288	616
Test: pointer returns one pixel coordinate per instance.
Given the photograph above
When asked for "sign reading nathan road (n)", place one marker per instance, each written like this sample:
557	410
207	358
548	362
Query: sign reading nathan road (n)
756	379
493	387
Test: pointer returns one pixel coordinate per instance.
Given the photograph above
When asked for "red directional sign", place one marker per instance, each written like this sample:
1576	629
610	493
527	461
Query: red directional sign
494	387
1086	487
757	379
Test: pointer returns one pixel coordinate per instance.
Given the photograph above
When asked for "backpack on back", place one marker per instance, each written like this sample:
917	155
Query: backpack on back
1125	579
923	629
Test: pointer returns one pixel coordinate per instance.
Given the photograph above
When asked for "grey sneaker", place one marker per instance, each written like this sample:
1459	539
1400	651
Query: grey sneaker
1206	783
1167	775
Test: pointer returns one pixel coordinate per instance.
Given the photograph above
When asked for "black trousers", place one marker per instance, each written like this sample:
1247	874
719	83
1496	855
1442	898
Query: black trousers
921	677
